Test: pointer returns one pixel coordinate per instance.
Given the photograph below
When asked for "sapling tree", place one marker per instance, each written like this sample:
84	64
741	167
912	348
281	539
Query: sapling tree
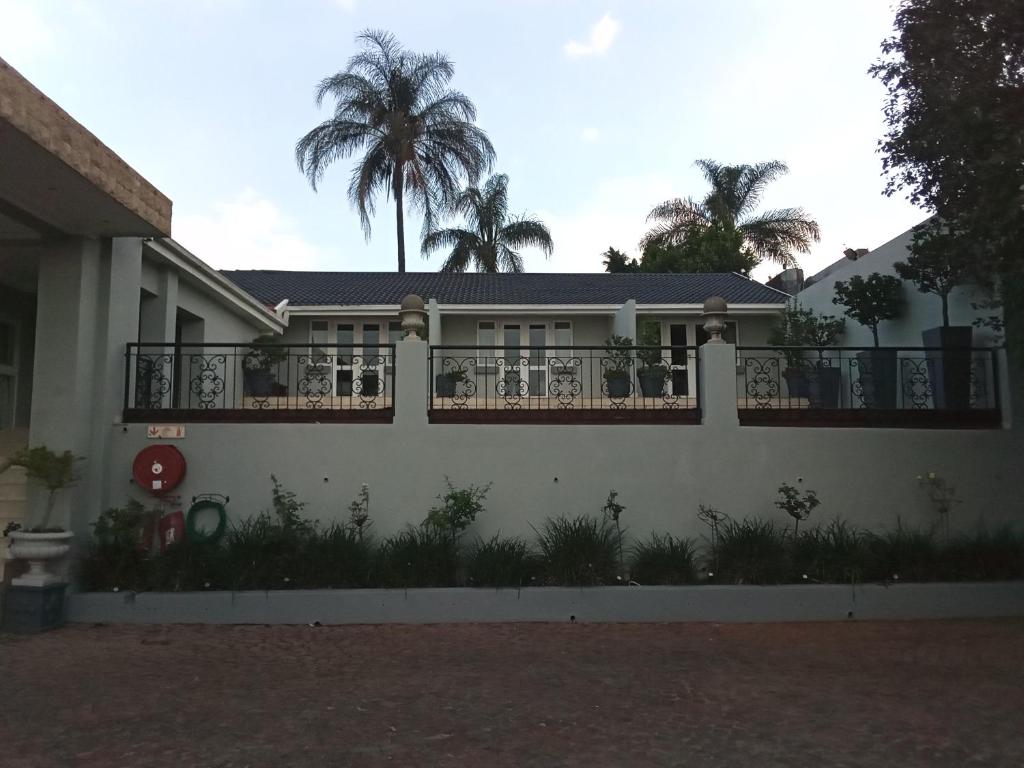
870	300
937	263
797	505
359	513
613	510
53	471
457	510
712	518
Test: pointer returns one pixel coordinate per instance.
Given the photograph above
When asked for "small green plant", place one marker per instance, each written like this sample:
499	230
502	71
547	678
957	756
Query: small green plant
942	495
796	505
359	513
714	519
116	558
579	551
500	562
618	358
870	301
650	353
288	508
457	511
799	327
265	353
664	559
53	471
612	511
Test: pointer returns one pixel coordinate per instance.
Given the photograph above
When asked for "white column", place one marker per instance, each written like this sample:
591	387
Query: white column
433	323
624	322
411	392
718	384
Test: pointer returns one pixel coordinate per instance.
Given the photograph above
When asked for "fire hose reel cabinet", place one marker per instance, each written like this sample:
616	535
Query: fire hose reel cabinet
158	468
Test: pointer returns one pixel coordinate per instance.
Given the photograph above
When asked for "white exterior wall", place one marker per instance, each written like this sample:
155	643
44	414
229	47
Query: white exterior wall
921	311
661	472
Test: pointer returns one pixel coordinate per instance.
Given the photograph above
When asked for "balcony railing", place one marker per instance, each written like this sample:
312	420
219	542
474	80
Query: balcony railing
273	382
563	384
869	386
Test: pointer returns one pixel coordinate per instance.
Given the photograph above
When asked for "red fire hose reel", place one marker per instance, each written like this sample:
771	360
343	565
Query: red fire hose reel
158	468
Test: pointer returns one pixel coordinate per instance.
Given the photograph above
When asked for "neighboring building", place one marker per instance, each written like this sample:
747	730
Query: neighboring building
491	314
921	311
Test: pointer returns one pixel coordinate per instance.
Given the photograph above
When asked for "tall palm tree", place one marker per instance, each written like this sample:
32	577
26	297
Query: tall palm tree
491	240
729	206
417	136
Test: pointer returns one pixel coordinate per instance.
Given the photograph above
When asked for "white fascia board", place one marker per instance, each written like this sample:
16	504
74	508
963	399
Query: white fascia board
214	283
691	309
459	309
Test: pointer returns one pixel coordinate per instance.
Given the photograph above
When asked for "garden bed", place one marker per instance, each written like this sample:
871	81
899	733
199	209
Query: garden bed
714	603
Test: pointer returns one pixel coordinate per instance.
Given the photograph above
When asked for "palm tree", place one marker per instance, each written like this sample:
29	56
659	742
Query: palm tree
492	240
417	136
729	207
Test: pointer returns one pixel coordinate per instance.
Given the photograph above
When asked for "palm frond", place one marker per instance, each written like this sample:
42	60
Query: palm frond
775	235
752	181
330	141
369	178
525	232
508	260
674	220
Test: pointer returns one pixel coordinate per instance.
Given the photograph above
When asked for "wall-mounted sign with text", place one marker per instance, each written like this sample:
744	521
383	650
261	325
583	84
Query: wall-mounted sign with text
166	432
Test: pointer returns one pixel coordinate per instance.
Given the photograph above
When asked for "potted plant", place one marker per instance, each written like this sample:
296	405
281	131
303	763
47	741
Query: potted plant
445	382
936	265
41	543
617	364
260	364
369	382
817	380
653	372
871	301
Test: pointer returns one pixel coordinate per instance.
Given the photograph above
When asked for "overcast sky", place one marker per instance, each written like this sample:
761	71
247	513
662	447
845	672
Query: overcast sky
597	111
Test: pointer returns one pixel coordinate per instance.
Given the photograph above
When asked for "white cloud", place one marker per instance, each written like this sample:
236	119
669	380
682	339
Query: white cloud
590	134
614	215
23	33
249	232
602	35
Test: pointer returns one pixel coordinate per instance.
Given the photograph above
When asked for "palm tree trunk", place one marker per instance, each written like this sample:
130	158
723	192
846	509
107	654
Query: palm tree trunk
396	184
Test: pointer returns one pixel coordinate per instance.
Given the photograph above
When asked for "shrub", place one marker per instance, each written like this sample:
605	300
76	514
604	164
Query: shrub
337	557
836	553
190	567
983	556
457	510
664	559
500	562
117	557
263	553
580	551
796	505
904	554
752	552
417	557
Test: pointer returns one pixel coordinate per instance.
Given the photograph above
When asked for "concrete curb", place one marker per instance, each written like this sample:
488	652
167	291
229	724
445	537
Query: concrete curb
800	602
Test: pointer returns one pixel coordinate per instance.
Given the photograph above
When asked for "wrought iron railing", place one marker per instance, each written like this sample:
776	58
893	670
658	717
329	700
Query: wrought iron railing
881	384
569	384
266	382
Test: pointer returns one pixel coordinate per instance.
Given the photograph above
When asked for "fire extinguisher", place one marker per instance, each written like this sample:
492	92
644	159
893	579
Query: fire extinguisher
172	529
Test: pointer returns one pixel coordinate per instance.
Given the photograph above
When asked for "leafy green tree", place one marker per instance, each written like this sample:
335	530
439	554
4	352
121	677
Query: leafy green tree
617	261
954	72
710	250
938	263
729	207
417	136
870	301
491	240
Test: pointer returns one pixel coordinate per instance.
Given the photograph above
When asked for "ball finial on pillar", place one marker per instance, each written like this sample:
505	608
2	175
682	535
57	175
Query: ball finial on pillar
714	314
412	314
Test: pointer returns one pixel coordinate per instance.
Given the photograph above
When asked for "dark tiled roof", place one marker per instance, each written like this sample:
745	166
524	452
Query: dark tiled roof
348	288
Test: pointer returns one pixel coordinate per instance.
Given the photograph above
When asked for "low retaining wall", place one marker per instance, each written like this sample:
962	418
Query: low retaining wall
826	602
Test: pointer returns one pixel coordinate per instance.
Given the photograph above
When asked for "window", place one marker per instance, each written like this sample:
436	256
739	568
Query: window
345	336
318	339
371	342
510	340
563	339
394	332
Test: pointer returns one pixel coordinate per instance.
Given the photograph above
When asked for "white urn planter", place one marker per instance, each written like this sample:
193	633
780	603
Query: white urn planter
38	549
